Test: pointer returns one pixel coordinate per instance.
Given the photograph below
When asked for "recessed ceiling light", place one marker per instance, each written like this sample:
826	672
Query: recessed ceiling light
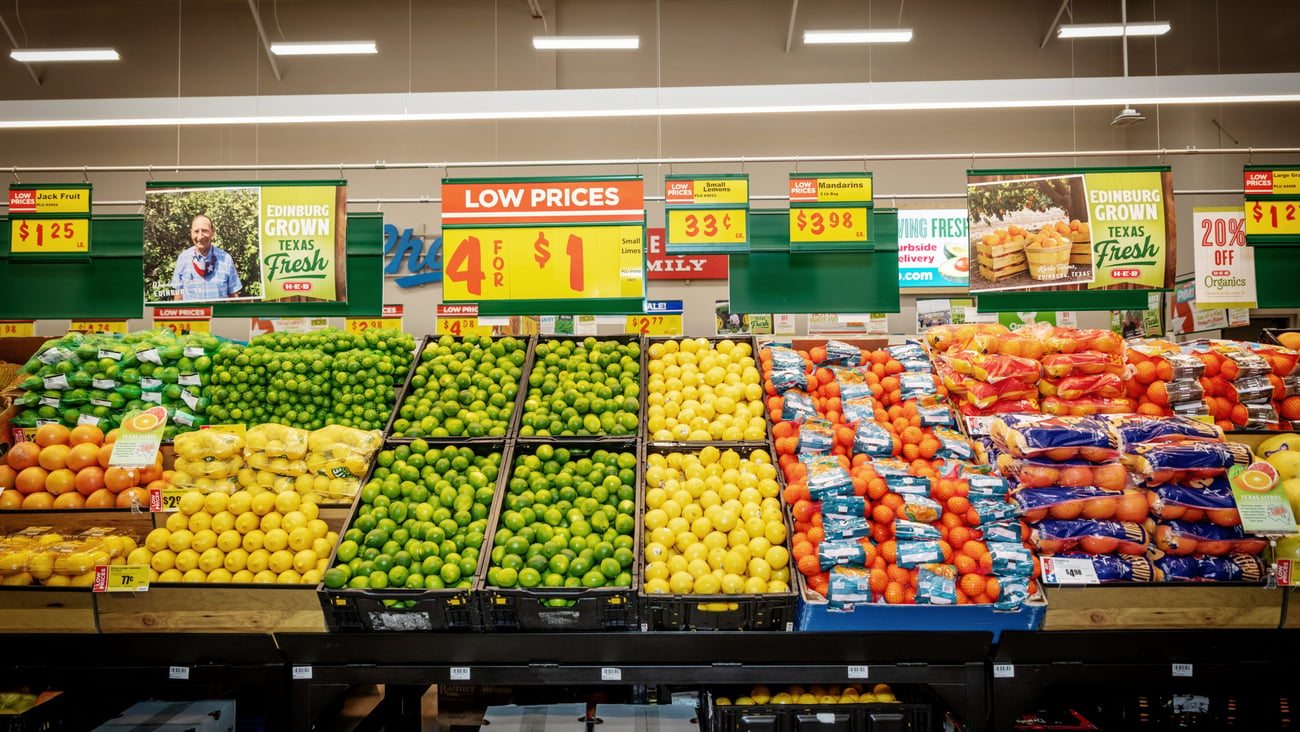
1113	30
572	43
897	35
47	55
327	48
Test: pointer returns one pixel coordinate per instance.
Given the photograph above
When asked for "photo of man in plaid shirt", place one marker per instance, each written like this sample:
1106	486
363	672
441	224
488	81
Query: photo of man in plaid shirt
204	271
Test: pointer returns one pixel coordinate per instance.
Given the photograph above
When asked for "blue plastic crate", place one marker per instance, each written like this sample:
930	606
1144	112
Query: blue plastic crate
815	614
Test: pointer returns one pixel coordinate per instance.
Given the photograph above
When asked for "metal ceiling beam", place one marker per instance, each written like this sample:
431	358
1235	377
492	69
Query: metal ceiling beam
266	42
1055	23
789	34
13	43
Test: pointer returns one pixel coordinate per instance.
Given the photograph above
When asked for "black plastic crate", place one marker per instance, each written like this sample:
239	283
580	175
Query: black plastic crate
48	716
639	434
775	611
452	609
870	717
512	426
576	609
645	430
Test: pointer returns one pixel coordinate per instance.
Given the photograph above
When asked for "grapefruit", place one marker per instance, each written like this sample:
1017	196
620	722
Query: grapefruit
52	434
24	455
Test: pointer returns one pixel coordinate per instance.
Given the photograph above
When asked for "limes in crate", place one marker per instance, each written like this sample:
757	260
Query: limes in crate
713	525
699	391
463	387
580	388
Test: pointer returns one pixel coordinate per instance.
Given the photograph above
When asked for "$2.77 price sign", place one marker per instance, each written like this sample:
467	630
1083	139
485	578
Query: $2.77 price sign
1272	217
847	224
655	325
58	236
544	263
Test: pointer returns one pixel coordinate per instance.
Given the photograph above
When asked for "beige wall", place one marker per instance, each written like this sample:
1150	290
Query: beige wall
209	47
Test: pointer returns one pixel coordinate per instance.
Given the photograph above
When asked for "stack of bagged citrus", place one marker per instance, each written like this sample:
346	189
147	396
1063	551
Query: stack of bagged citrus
583	388
68	468
700	391
463	387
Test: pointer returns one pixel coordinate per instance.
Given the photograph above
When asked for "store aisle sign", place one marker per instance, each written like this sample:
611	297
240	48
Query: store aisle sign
182	319
405	251
1225	266
1070	229
933	248
663	266
831	210
511	240
49	221
707	213
264	241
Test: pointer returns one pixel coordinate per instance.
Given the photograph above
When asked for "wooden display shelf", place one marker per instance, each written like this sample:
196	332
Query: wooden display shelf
1163	606
201	608
47	610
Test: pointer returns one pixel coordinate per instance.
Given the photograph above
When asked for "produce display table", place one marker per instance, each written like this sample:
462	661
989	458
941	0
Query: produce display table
953	665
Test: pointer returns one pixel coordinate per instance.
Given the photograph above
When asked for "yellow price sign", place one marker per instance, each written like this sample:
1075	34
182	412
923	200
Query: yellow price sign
99	326
1272	217
702	226
17	328
179	327
165	499
121	578
544	263
49	200
463	326
837	224
655	325
49	236
361	325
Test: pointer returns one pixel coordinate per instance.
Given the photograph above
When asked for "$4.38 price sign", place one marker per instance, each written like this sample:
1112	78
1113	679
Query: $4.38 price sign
544	263
49	236
1272	217
847	224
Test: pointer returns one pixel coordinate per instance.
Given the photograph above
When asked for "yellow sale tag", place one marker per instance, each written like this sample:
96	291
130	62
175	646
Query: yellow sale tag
17	328
121	578
1272	217
179	327
463	327
839	224
45	236
165	499
706	191
701	226
49	200
544	263
99	326
655	325
361	325
230	429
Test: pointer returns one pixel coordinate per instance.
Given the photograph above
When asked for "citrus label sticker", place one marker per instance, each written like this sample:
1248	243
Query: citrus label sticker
141	436
1262	503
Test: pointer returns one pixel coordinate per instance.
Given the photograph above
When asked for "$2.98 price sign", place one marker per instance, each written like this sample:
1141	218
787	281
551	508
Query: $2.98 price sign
847	224
544	263
1272	217
58	236
724	226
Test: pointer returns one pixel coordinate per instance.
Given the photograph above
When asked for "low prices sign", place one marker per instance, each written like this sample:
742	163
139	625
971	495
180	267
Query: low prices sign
544	244
832	209
182	319
1225	266
390	319
461	320
1272	202
707	214
49	220
662	266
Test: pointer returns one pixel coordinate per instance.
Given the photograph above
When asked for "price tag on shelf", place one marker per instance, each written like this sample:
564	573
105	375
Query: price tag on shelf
301	673
462	327
608	673
178	673
99	326
1068	571
121	578
165	500
706	214
859	672
361	325
49	236
17	328
460	673
654	325
837	224
721	226
1271	181
1182	670
1272	218
1282	572
1004	671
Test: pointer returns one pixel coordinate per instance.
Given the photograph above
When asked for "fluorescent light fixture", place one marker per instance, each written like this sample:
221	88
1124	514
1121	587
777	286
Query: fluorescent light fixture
48	55
328	48
584	43
898	35
1113	30
976	94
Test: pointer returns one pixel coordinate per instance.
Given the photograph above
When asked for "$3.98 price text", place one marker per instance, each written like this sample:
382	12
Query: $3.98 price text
544	263
49	235
1274	217
829	224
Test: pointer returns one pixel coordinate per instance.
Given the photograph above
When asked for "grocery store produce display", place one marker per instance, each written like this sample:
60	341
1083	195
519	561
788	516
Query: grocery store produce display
464	387
100	378
699	390
583	388
38	555
68	468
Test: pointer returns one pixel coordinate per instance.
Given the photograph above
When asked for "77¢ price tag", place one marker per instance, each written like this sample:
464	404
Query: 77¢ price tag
121	578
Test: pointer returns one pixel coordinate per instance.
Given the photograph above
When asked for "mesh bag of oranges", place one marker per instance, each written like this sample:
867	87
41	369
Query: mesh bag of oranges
338	457
208	461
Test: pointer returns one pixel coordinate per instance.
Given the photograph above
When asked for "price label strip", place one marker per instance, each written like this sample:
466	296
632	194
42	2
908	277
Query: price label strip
1069	571
830	212
17	328
545	263
361	325
165	500
98	326
706	214
121	578
661	318
1273	218
463	326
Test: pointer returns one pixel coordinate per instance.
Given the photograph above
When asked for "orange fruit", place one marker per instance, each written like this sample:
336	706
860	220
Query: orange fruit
83	456
52	434
54	457
11	501
1158	394
89	480
61	481
31	480
105	453
111	436
24	455
153	472
972	584
1290	408
7	477
102	498
84	433
70	500
124	499
1146	373
40	501
119	479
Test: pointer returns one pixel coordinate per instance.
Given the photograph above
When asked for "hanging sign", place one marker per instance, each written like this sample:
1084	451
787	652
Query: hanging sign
1225	266
830	211
1272	208
661	318
1071	229
182	319
933	248
49	221
707	214
532	245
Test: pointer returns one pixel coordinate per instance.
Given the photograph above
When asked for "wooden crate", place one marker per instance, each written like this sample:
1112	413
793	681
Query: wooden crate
1292	615
1002	274
47	610
1000	250
203	608
1153	607
77	520
1006	260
